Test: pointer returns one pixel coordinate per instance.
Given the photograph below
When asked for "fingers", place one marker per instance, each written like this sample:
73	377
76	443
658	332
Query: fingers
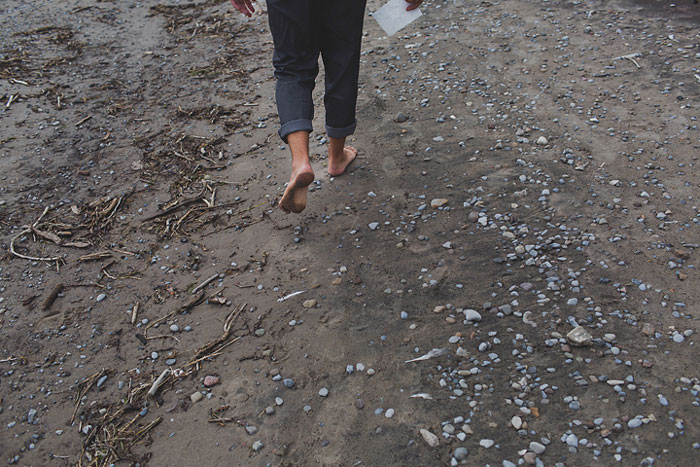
413	4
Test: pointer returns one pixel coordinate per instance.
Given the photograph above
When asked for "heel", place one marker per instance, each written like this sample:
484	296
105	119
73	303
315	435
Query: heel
304	179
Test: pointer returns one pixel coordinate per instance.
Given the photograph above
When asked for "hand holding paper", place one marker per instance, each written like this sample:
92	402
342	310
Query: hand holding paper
393	16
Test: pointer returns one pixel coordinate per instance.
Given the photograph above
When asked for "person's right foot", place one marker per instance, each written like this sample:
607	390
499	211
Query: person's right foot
294	198
337	163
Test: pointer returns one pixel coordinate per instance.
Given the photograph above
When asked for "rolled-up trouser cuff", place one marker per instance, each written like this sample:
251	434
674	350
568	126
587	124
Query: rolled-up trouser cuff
341	132
293	126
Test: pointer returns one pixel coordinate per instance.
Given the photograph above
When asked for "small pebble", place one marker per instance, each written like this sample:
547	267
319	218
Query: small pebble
258	445
472	315
536	447
430	438
486	443
288	383
211	380
460	453
101	381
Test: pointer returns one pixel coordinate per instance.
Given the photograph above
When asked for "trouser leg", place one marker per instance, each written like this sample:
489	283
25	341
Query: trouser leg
341	39
295	61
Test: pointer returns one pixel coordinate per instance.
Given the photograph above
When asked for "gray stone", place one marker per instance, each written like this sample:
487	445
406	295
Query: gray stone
536	447
401	117
486	443
579	337
506	309
102	381
472	315
258	445
460	453
430	438
288	383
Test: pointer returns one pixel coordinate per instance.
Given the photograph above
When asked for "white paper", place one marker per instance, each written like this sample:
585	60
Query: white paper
393	16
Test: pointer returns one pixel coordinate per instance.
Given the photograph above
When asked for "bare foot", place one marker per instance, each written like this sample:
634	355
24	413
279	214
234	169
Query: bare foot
294	198
338	164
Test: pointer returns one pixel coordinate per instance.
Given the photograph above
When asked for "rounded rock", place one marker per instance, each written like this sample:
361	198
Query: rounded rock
258	445
288	383
211	380
536	447
460	453
486	443
438	202
472	315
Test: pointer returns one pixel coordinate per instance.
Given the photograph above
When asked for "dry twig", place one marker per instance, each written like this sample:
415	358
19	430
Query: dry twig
205	283
52	297
26	230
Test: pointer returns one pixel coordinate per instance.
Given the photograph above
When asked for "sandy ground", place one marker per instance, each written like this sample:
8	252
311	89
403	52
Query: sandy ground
526	168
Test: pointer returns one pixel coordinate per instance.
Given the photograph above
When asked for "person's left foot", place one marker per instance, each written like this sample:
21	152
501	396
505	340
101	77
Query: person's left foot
337	163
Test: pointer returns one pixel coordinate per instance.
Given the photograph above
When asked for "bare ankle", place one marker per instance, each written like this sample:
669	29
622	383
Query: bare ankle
336	147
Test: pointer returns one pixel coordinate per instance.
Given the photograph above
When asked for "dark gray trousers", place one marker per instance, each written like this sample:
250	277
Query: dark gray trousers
301	31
